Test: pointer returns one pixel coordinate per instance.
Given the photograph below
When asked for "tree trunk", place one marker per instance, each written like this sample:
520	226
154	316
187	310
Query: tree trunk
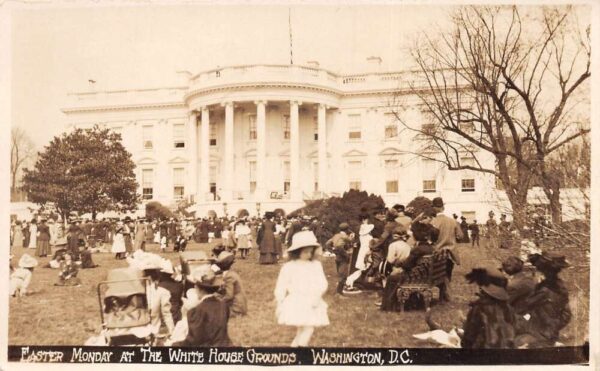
94	212
555	207
518	203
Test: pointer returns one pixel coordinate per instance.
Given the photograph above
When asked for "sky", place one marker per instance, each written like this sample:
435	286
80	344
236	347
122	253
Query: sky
57	50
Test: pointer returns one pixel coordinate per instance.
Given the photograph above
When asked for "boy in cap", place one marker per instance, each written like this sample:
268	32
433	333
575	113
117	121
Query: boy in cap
232	291
341	243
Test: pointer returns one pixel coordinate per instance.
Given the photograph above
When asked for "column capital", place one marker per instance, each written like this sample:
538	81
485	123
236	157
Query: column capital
296	102
261	101
227	103
323	105
194	112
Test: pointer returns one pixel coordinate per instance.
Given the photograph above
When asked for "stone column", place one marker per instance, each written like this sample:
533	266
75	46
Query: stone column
261	150
322	145
229	150
295	191
204	154
193	151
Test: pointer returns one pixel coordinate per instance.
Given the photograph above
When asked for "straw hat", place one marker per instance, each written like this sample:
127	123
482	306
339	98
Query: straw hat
225	258
167	266
27	261
303	239
204	277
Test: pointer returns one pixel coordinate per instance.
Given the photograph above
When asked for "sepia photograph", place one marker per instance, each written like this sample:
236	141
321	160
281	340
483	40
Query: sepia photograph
298	183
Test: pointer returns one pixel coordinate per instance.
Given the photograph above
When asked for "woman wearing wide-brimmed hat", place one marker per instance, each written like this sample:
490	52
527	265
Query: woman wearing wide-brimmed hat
547	308
207	320
491	320
266	240
300	288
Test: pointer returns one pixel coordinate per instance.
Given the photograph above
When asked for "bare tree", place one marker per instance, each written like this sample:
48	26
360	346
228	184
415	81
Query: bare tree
22	150
504	82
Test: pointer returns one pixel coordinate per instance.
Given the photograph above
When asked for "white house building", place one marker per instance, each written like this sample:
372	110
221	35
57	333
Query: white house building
262	137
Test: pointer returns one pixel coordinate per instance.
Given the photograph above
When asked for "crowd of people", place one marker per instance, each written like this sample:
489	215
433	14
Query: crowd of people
514	307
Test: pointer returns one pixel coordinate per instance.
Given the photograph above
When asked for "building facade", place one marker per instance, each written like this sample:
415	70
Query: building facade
262	137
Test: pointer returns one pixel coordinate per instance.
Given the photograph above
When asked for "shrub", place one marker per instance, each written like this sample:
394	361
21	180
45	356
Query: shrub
335	210
156	210
417	206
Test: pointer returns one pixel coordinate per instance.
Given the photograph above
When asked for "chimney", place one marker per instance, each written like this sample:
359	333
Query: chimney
374	63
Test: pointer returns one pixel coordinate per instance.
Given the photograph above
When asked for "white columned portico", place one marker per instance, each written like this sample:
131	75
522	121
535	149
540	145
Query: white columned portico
229	150
204	154
322	147
193	150
295	192
261	150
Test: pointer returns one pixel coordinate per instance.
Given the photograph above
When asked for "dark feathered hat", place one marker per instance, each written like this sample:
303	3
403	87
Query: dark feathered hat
491	281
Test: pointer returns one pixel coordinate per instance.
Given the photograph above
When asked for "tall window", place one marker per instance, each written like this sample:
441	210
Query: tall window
212	177
252	127
467	185
354	127
391	176
252	175
286	126
315	128
212	128
286	176
429	169
147	184
178	183
354	175
179	136
316	175
147	137
469	215
391	126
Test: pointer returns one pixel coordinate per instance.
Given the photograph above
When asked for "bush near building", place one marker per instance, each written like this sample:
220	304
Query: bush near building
156	210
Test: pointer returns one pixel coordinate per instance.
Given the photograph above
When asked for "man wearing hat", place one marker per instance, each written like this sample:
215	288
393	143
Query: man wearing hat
207	321
341	244
449	230
490	322
20	278
464	227
547	308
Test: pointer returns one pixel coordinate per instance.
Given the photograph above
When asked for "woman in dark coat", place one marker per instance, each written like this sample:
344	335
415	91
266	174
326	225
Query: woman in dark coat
26	235
43	240
266	240
491	321
547	306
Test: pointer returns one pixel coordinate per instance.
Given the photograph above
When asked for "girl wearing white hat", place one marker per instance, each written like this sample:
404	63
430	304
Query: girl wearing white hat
300	288
21	277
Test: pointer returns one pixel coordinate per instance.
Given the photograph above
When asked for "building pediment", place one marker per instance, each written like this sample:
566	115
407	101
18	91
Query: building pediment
390	151
315	154
178	160
147	161
354	153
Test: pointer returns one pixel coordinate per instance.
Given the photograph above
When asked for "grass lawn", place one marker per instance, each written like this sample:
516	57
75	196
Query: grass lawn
69	315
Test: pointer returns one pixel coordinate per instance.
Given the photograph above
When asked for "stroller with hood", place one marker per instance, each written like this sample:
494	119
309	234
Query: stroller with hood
124	309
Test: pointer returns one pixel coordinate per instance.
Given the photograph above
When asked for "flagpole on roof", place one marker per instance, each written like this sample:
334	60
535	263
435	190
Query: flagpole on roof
290	29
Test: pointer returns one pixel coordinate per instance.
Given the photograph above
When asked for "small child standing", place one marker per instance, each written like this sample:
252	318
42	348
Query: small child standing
300	288
341	244
232	291
20	278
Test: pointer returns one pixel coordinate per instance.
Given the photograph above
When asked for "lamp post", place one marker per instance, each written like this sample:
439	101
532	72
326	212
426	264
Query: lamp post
258	209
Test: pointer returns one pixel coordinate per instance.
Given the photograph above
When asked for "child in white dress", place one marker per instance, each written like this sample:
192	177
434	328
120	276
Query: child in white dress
300	288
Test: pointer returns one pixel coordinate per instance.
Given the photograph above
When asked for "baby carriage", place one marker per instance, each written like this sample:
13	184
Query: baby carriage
189	261
124	308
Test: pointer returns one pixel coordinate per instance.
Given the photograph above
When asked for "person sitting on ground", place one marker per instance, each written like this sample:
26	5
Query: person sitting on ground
232	291
547	309
491	320
20	278
68	272
180	243
207	321
520	285
425	236
59	254
85	254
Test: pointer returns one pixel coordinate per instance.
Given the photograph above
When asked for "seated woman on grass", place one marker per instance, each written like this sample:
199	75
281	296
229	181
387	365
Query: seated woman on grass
68	272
